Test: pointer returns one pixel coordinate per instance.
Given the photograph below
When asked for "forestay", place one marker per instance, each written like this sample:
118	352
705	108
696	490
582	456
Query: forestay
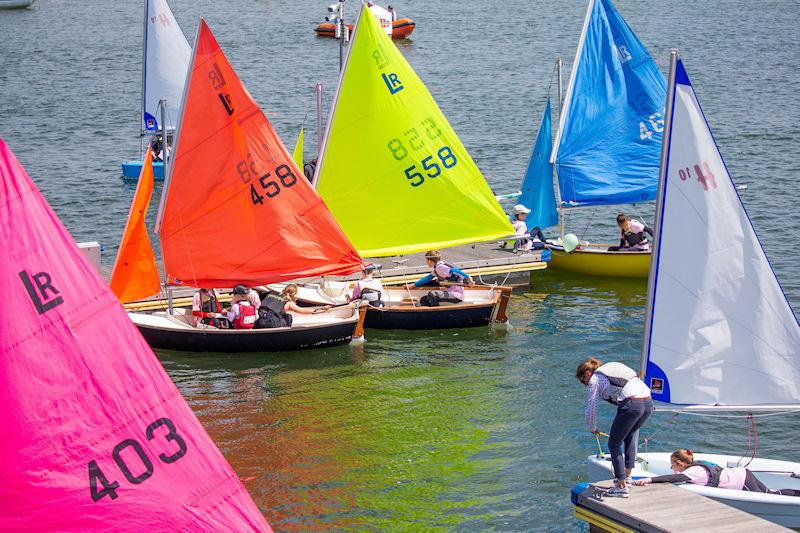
720	328
392	170
537	187
609	138
237	208
93	433
166	58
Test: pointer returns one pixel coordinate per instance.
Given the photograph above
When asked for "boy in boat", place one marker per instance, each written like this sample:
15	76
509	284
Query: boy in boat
442	271
633	235
687	470
526	241
242	313
368	288
207	310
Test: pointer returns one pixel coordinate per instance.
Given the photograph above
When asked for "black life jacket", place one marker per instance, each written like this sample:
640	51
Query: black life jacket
272	313
632	239
211	305
713	471
372	296
453	277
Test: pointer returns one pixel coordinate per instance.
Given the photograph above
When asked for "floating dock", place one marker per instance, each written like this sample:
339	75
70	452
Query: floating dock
661	508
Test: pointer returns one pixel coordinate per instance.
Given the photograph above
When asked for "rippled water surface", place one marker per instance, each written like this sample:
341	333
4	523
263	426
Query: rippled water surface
469	429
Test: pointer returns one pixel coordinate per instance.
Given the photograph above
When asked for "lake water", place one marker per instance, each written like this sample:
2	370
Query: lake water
449	430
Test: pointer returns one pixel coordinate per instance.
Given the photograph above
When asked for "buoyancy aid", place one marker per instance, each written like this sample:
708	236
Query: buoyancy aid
247	316
632	239
618	375
453	277
272	313
211	305
714	472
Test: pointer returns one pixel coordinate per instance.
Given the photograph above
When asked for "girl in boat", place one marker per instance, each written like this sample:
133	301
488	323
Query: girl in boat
207	310
620	385
687	470
242	313
526	241
442	271
368	288
289	294
633	235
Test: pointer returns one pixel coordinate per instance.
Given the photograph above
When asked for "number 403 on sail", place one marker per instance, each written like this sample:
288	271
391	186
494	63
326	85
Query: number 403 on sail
653	124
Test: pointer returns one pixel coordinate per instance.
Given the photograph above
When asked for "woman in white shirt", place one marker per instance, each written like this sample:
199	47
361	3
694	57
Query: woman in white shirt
620	385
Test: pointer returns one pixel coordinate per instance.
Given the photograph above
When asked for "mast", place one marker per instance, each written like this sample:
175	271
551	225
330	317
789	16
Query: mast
318	91
662	182
321	153
142	129
556	188
163	105
342	35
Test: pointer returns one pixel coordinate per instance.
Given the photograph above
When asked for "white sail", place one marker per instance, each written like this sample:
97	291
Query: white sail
166	58
721	331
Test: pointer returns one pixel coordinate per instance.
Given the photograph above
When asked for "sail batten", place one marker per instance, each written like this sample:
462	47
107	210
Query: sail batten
608	143
719	331
392	170
237	208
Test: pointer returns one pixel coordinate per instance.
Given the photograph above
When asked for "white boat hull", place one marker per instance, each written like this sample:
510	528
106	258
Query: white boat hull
783	510
15	4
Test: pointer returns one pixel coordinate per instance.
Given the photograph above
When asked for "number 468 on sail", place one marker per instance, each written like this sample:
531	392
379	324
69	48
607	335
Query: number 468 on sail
654	124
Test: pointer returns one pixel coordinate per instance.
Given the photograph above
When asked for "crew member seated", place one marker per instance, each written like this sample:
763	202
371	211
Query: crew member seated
368	288
633	235
207	310
526	241
442	272
242	314
272	313
289	294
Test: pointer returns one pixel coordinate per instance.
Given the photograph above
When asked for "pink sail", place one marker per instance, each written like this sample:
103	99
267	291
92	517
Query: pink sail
93	433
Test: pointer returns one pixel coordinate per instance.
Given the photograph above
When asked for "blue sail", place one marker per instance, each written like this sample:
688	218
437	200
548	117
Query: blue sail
537	187
609	144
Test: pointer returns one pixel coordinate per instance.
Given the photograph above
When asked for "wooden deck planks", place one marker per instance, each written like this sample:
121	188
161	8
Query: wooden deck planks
664	507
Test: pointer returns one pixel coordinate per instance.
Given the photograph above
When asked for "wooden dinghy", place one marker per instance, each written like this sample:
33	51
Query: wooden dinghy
596	260
481	306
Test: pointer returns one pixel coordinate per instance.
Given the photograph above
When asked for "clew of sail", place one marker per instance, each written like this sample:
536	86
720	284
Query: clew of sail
537	187
719	330
236	208
392	170
609	137
93	435
135	275
166	58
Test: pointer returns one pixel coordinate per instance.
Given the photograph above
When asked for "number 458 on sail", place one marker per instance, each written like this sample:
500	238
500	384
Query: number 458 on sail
655	123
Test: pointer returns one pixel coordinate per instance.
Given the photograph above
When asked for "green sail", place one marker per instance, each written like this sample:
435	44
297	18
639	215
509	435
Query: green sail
297	154
393	172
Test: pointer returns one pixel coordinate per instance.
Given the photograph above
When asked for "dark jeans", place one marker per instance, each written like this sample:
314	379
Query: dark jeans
631	415
433	298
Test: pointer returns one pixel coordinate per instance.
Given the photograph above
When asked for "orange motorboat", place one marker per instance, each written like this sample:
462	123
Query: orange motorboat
401	29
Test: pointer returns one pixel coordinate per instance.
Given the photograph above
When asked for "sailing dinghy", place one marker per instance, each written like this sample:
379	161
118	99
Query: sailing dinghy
164	64
608	141
398	179
94	434
720	335
237	209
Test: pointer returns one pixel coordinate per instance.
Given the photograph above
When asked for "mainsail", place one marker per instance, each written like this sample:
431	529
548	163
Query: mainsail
166	58
135	275
537	187
392	170
236	208
93	433
608	142
721	332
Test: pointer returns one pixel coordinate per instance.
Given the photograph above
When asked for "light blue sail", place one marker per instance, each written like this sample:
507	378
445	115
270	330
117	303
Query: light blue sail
537	187
609	143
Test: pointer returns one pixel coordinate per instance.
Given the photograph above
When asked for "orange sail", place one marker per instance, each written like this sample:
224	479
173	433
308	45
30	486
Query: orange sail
135	275
237	209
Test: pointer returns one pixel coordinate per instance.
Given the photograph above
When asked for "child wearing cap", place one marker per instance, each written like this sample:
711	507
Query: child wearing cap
368	288
526	241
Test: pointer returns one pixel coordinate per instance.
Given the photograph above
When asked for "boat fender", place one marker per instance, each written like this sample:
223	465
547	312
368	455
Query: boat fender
714	472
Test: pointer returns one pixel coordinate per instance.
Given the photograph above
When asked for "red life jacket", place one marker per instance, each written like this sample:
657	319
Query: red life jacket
247	316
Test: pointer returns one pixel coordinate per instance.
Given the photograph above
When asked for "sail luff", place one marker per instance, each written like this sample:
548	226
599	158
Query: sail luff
563	112
652	276
324	148
142	128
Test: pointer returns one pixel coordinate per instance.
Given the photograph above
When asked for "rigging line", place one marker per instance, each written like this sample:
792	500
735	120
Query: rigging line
550	84
591	219
646	440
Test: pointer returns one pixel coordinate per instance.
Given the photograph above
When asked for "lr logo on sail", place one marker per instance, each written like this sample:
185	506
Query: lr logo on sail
43	295
393	83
